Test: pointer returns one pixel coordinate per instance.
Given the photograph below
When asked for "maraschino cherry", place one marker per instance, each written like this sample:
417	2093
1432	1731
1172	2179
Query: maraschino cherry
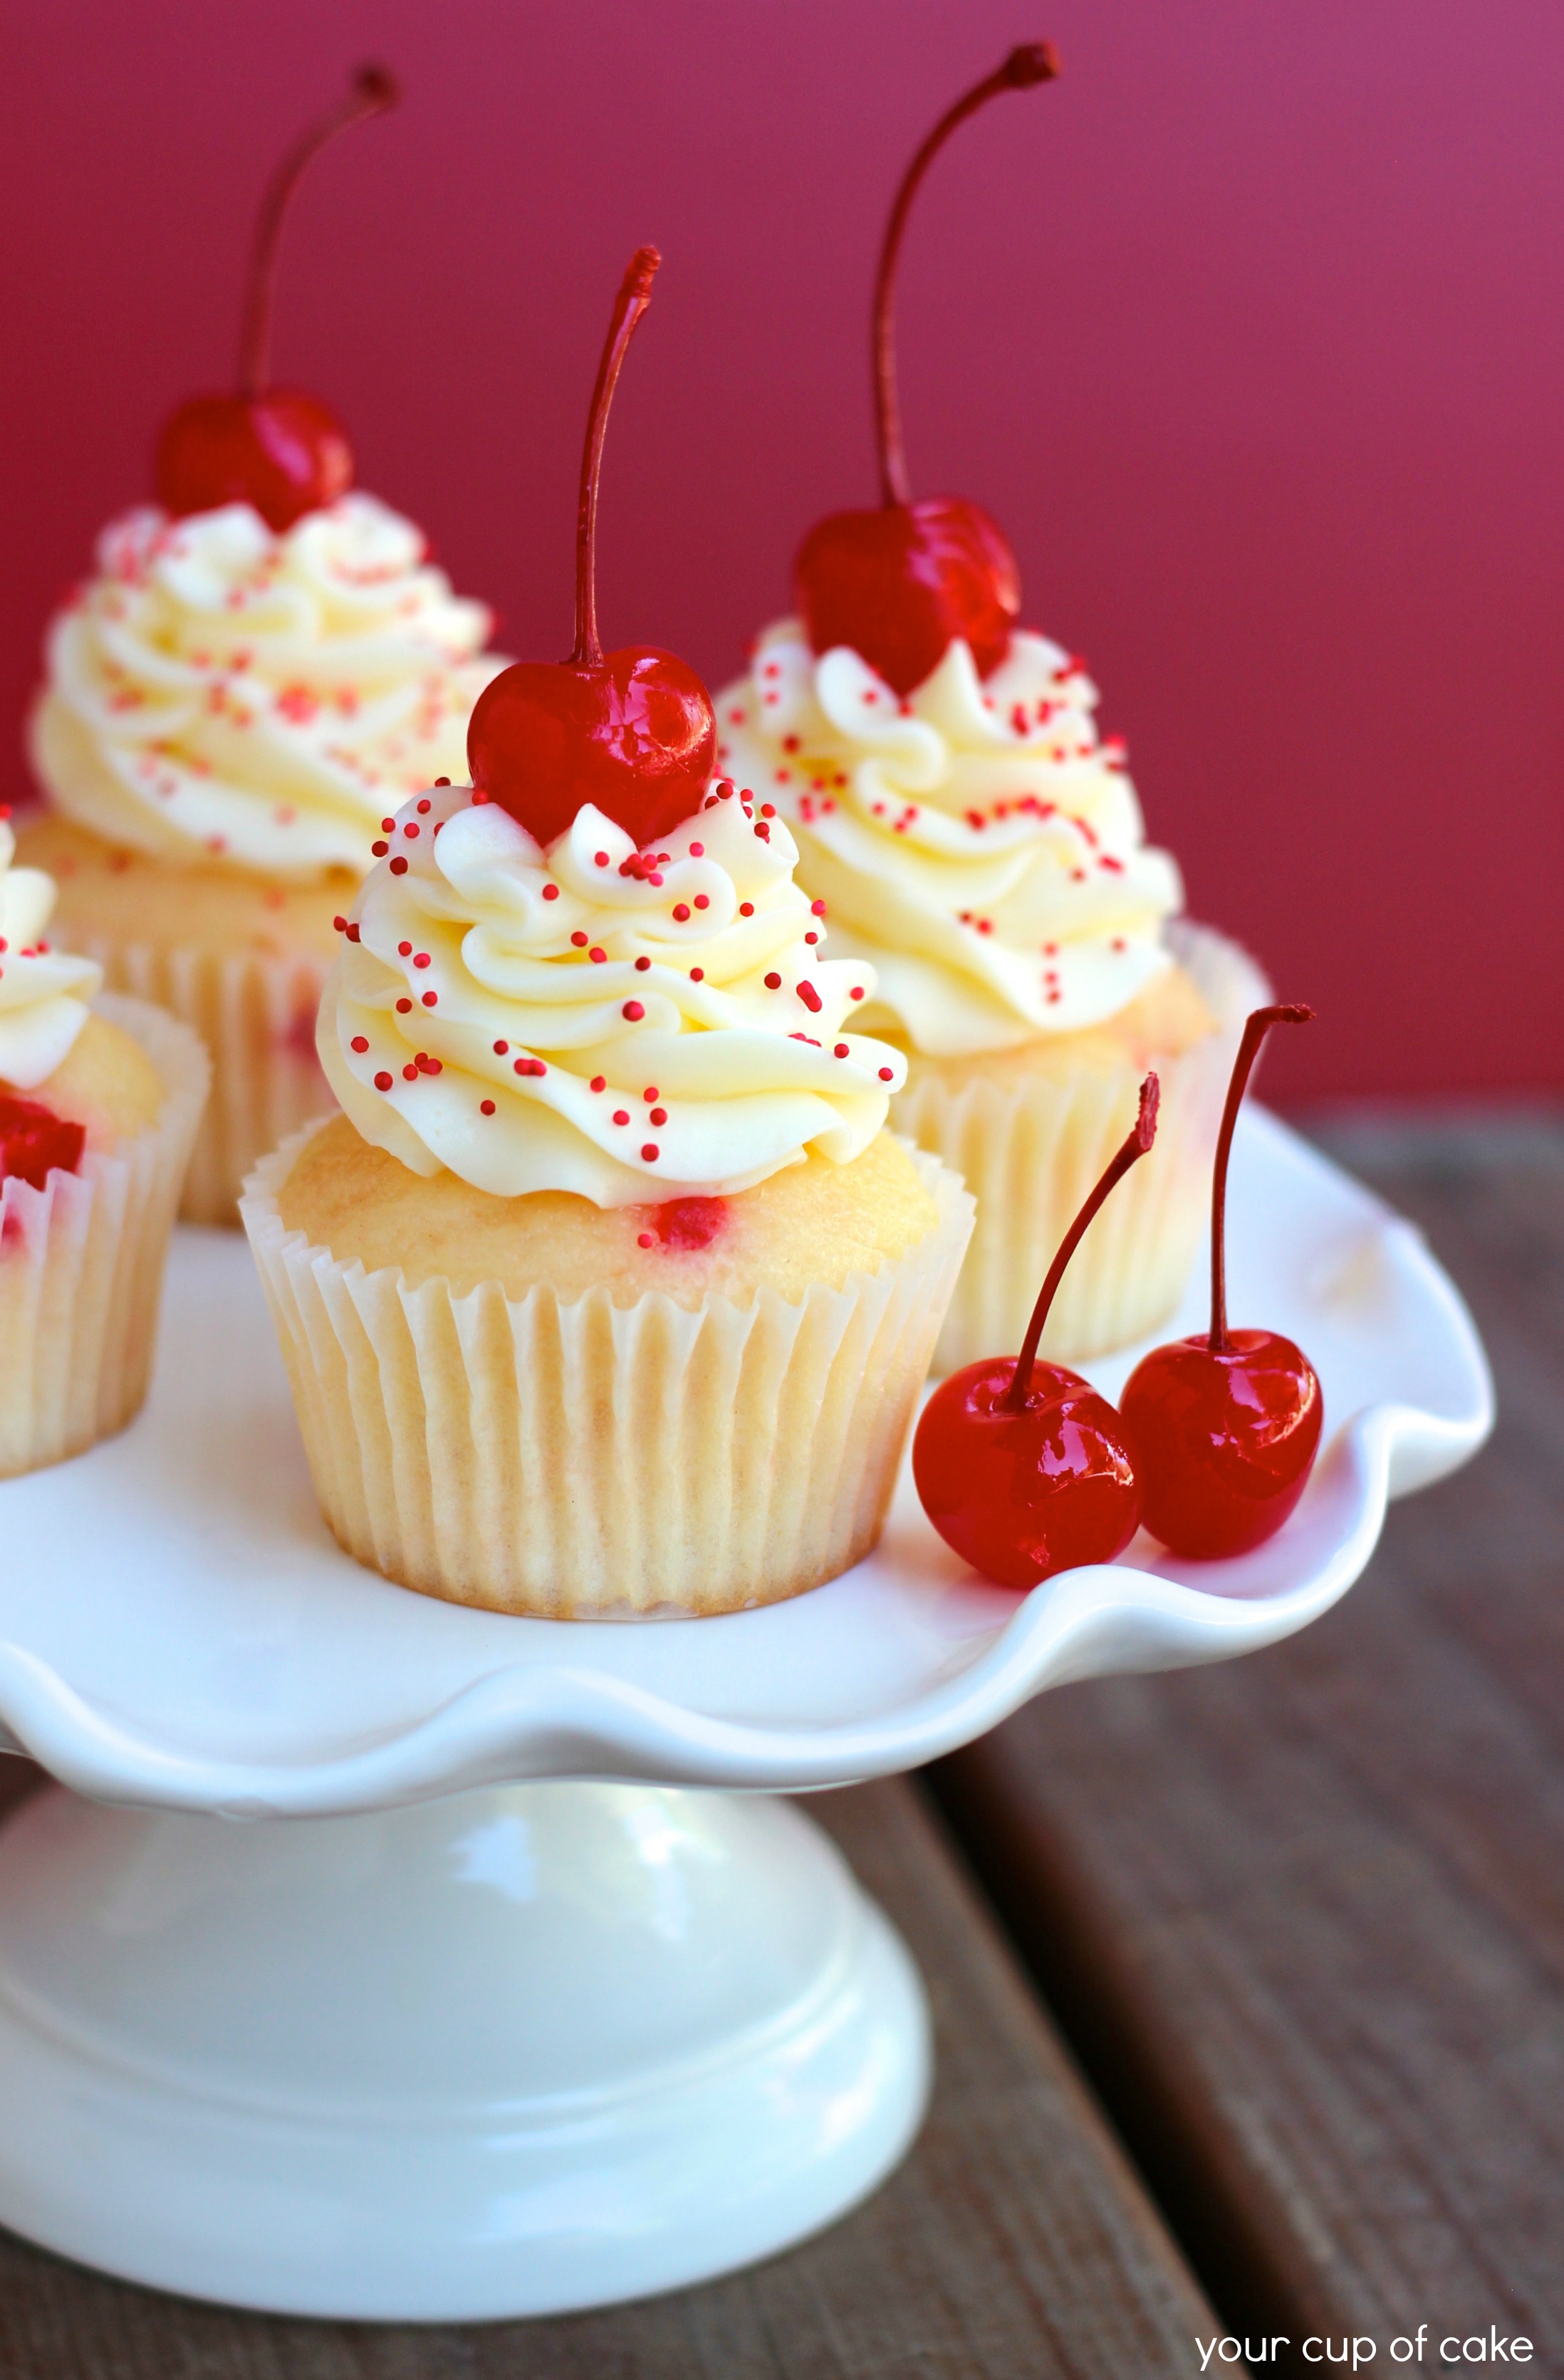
34	1141
1227	1424
1022	1467
279	449
900	584
632	731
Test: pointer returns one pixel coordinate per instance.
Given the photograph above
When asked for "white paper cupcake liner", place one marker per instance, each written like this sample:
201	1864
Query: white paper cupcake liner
588	1461
1029	1150
255	1015
81	1266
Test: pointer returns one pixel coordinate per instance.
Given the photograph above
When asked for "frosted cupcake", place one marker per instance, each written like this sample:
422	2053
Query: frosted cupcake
100	1100
262	665
607	1293
981	852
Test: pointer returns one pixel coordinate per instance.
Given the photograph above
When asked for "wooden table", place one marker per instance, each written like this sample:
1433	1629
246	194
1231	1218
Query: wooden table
1301	1920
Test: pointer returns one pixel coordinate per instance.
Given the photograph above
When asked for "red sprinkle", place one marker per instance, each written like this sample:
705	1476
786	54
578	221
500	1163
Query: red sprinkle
632	1011
810	998
645	1240
747	908
773	983
840	1050
431	999
681	912
379	849
658	1115
502	1048
701	902
816	908
341	924
551	893
649	1094
698	851
597	957
621	1115
649	1152
886	1075
421	960
857	992
424	805
404	950
579	940
486	1106
642	964
360	1043
697	974
404	1008
600	857
399	866
412	831
409	1073
382	1082
352	933
599	1083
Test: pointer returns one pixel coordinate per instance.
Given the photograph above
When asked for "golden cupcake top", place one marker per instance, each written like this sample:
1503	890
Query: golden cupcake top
221	690
626	1023
978	844
45	995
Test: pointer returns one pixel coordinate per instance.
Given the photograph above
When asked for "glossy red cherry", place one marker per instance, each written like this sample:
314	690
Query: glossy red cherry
900	584
34	1141
1227	1423
279	449
633	731
1022	1467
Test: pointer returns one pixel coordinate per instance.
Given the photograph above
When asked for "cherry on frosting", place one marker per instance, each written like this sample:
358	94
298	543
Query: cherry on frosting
901	583
34	1141
279	449
632	731
1022	1467
1226	1423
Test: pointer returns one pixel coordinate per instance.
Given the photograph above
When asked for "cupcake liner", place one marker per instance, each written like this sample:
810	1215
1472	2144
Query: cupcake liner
1029	1152
588	1461
81	1266
255	1015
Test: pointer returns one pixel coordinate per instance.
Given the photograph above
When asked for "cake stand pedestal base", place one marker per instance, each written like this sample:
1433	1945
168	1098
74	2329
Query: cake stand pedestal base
530	2049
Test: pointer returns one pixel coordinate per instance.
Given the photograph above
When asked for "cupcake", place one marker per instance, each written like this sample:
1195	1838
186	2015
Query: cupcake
607	1293
262	665
982	855
100	1100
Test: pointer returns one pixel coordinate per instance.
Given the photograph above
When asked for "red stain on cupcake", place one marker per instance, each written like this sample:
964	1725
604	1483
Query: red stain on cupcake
685	1224
34	1141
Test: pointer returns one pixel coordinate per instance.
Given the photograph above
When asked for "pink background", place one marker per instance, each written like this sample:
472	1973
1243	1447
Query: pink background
1251	331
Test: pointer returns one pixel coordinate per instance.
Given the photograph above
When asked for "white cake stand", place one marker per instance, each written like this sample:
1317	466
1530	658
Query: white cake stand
509	2019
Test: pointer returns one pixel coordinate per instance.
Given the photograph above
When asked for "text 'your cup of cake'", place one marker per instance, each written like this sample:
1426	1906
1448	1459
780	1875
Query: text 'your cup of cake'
261	664
608	1292
982	851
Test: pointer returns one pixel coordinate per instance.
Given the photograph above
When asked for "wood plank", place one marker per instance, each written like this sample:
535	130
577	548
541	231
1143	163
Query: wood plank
1014	2242
1302	1916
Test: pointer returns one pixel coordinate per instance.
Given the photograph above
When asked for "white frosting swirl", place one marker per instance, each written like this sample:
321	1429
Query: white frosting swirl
974	842
218	690
43	994
628	1027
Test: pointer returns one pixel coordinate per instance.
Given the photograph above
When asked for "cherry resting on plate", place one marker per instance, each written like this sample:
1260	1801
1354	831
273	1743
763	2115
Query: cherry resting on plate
279	449
1227	1424
1022	1467
901	583
633	731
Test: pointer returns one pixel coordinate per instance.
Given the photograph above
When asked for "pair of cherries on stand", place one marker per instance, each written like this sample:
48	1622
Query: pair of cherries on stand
1027	1471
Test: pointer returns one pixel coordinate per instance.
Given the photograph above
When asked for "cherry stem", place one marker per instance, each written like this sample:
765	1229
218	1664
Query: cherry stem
1136	1142
634	296
374	89
1255	1031
1033	62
